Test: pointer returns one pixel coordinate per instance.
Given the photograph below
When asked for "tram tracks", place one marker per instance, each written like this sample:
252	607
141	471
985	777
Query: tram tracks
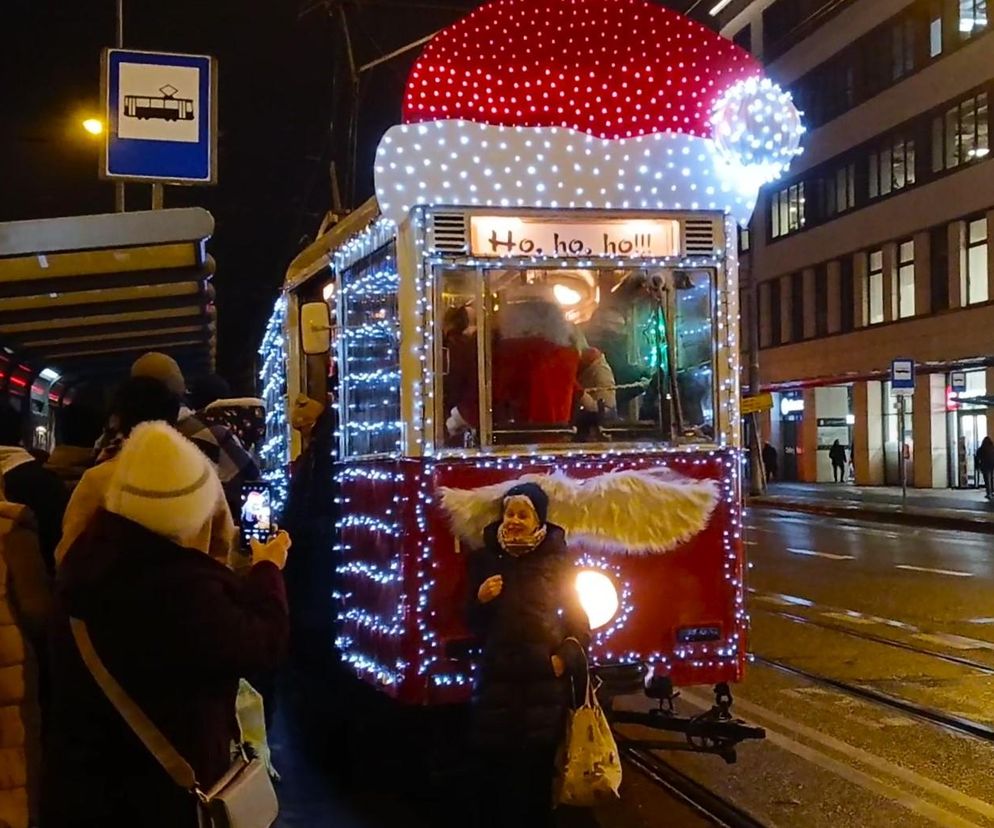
941	718
864	635
711	806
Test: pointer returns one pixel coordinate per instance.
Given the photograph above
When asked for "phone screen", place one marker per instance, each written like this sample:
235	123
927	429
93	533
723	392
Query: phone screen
256	518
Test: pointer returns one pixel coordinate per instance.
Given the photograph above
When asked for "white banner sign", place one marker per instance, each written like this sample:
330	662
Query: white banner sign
504	237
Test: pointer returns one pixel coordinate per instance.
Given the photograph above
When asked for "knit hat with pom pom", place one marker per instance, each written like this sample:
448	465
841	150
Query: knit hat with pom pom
163	482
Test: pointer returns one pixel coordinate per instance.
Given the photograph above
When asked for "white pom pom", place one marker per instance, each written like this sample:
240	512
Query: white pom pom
757	125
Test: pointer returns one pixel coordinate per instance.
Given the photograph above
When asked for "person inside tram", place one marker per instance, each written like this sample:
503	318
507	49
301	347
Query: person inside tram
139	400
524	610
460	389
26	481
610	330
596	380
535	365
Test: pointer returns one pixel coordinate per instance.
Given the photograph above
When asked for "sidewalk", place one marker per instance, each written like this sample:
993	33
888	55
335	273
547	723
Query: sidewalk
962	509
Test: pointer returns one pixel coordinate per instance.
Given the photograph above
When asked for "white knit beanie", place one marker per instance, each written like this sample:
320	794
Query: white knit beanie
163	482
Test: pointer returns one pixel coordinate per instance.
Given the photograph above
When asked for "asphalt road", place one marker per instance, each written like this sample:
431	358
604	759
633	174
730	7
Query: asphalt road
904	615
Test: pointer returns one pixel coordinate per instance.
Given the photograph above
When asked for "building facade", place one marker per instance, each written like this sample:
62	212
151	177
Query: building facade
877	246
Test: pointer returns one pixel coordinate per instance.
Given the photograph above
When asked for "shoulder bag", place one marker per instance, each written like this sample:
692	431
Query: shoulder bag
242	798
588	764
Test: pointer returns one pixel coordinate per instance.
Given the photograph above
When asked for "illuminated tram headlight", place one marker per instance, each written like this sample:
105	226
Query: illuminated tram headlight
598	597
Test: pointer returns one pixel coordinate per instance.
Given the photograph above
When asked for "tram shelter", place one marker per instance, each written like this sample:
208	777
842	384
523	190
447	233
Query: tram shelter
82	297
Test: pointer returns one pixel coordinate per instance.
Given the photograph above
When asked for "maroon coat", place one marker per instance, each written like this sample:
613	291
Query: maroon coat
177	630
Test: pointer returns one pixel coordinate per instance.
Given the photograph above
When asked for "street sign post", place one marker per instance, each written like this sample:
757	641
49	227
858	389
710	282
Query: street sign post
902	385
161	116
756	403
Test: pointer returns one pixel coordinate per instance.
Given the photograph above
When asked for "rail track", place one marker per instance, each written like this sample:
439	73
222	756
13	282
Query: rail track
709	805
957	724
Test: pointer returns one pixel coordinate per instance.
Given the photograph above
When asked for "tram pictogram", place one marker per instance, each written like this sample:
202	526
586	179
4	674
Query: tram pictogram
166	107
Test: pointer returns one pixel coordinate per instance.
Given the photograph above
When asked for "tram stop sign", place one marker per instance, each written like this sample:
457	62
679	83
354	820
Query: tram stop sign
161	117
902	377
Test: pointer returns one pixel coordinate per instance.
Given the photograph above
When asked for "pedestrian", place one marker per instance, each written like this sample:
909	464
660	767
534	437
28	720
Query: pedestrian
25	480
25	607
139	400
523	608
232	462
174	628
770	461
985	462
837	454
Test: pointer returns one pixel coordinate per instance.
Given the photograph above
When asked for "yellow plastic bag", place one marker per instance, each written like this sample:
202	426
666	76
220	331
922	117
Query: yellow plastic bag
252	723
589	767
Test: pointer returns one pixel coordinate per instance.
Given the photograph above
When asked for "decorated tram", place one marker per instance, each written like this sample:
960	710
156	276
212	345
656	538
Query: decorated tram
544	288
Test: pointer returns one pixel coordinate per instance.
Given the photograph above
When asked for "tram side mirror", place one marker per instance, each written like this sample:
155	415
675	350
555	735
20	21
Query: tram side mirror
315	328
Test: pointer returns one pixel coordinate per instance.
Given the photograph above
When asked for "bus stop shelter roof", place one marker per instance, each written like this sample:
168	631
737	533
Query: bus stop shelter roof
87	295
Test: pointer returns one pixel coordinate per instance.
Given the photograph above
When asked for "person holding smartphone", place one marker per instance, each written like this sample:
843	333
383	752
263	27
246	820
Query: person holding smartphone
175	628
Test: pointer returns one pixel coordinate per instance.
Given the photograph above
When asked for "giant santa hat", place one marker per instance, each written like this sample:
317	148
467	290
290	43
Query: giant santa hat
606	104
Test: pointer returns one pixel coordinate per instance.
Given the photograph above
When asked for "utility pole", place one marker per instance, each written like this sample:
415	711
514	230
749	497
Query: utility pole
757	476
118	185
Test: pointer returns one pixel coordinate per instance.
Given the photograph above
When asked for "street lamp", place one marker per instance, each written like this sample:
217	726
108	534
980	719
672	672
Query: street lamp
94	126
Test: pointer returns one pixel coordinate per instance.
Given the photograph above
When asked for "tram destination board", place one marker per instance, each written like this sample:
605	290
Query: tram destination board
161	116
503	236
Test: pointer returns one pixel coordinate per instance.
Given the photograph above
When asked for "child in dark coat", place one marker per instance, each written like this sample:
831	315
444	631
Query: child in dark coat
524	607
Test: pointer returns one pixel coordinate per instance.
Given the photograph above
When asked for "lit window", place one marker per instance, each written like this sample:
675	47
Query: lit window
892	168
972	17
874	296
960	136
906	279
787	210
935	34
973	282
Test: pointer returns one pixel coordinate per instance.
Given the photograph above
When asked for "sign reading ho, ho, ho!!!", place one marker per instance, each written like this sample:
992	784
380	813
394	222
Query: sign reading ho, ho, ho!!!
503	237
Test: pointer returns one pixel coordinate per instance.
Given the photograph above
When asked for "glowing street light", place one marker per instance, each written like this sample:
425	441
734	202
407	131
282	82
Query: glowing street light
94	126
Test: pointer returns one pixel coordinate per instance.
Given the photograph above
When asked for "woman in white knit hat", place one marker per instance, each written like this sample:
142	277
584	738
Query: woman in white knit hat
174	627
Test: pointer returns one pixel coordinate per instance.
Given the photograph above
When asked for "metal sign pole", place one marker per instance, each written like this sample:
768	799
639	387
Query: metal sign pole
118	185
904	447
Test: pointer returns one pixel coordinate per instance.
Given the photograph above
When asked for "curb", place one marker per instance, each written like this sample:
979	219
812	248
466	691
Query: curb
879	513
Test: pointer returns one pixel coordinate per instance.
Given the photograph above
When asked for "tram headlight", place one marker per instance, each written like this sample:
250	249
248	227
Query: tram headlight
598	597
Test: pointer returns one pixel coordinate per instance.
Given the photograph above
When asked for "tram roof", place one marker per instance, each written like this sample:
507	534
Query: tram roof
86	295
316	257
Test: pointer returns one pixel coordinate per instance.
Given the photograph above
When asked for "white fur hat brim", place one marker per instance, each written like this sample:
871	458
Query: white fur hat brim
163	482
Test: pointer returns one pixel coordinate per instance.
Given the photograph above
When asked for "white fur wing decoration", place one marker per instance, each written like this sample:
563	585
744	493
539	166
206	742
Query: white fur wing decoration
642	512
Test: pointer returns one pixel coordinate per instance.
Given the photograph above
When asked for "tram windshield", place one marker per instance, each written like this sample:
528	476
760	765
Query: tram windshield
611	354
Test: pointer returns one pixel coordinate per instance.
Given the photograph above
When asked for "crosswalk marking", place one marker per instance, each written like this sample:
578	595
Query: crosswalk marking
813	554
955	573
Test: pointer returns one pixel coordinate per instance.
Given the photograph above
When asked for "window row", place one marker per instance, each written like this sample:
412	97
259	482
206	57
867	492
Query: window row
934	144
873	287
924	31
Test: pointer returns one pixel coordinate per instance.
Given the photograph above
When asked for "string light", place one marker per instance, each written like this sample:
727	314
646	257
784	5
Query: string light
662	115
274	452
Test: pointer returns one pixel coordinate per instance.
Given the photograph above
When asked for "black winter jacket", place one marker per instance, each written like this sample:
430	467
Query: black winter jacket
519	703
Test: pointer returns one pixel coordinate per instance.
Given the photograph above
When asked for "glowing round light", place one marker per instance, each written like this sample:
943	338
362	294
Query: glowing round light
566	296
598	596
94	126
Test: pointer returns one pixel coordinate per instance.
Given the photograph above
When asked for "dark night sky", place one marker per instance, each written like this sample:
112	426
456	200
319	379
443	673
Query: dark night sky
284	109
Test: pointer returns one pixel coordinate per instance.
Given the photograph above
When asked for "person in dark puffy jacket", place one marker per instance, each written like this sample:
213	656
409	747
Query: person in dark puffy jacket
176	628
985	462
524	608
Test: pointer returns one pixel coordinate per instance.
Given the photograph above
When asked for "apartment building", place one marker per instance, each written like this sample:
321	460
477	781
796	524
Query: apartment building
877	245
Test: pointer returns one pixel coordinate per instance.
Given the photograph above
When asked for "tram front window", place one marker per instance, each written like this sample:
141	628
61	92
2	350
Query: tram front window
617	355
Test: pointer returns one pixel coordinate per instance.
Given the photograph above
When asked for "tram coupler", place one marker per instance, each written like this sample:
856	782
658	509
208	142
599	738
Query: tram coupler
714	731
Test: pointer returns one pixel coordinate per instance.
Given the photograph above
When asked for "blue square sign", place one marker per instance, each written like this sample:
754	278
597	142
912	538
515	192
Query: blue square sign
161	115
902	376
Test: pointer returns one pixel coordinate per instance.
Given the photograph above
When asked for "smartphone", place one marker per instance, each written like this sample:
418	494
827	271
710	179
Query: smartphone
256	515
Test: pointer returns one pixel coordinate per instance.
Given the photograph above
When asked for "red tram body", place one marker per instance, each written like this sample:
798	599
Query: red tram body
550	300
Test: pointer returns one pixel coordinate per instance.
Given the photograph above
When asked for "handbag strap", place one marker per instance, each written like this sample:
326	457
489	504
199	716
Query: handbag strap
158	745
589	699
